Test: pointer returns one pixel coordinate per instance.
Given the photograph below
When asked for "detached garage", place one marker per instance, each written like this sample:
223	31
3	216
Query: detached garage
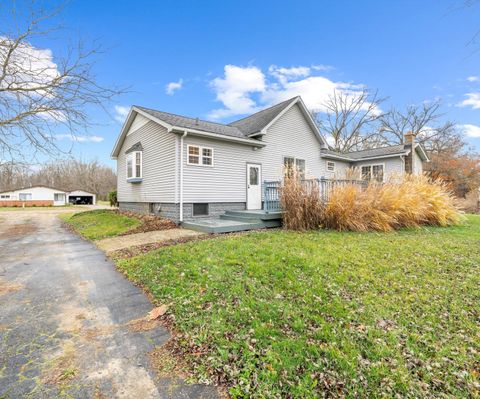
80	197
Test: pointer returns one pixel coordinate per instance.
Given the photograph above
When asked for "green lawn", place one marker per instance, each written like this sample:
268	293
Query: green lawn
100	223
287	314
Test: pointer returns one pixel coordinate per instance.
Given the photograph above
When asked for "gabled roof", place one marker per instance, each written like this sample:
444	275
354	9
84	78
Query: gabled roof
242	131
255	123
381	152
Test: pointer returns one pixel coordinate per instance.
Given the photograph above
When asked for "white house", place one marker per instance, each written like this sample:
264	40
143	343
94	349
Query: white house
33	196
183	168
45	196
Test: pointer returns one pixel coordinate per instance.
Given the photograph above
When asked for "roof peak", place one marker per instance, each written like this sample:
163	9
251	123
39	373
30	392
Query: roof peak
265	109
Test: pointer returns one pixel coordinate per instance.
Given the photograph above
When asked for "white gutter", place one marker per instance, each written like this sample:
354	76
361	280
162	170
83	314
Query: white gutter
181	174
201	133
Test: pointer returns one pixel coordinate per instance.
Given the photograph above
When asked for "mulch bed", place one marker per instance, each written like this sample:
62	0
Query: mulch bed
149	222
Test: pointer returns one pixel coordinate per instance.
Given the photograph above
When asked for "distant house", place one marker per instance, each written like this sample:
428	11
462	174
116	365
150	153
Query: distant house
44	196
184	168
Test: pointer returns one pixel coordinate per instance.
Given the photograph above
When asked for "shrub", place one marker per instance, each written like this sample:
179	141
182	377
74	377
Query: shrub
408	202
112	198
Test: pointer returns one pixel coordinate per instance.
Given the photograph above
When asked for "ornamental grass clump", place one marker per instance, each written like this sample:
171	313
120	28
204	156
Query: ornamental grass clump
301	204
410	201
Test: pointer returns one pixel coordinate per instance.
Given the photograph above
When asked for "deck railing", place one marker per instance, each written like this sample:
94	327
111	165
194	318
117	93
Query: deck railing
271	190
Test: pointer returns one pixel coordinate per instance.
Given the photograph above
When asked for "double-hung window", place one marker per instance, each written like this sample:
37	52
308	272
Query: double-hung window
134	165
292	166
330	166
202	156
373	172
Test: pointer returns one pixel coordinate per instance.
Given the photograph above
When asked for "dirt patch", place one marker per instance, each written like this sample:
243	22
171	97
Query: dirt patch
143	324
18	230
145	248
62	368
149	222
6	287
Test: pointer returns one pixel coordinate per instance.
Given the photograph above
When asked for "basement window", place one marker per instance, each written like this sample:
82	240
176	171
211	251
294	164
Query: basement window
200	209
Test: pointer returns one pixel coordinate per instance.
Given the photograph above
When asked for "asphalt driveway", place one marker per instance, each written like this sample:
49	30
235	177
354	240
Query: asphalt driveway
65	319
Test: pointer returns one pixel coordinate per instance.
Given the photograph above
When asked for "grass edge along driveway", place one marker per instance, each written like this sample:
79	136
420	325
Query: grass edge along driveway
100	223
287	314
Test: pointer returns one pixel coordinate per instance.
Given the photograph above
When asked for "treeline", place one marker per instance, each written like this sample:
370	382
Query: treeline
68	175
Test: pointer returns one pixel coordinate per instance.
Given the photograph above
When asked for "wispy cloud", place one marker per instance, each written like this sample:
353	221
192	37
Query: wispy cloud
473	78
472	100
243	90
172	87
470	130
79	138
121	113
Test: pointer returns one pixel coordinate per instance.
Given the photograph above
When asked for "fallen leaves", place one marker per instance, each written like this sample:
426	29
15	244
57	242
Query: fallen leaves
7	287
157	312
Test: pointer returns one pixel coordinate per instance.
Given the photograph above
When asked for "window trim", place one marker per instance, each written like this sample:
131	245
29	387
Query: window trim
334	166
371	165
27	199
200	156
133	157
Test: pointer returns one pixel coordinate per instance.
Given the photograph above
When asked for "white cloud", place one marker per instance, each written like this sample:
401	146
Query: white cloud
172	87
121	113
79	139
470	130
29	67
472	100
236	90
473	78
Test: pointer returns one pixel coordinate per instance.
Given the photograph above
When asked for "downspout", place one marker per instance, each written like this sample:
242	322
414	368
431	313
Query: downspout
181	175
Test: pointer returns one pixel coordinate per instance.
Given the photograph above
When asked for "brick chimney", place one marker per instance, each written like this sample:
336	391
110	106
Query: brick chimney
409	140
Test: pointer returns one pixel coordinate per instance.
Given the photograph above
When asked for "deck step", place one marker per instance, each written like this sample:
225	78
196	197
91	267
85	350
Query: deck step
218	225
241	218
260	214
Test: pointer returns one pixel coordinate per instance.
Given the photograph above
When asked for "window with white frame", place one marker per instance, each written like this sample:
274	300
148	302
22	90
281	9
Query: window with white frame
134	165
58	197
5	196
25	196
373	172
292	165
330	166
202	156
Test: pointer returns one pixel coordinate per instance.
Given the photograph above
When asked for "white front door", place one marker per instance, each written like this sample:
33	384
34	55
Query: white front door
254	186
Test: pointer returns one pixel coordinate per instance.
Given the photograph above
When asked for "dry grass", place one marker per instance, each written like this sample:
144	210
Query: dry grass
412	201
302	206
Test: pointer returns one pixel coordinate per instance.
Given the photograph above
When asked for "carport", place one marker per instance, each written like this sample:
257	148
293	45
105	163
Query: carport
80	197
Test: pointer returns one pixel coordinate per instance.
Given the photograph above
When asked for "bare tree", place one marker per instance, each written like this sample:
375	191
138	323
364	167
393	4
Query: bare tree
422	120
67	175
349	120
41	95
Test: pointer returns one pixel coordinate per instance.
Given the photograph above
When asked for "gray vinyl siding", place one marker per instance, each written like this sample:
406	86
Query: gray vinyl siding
158	170
225	181
392	166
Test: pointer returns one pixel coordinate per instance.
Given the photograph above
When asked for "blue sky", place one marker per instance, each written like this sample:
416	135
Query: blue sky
227	58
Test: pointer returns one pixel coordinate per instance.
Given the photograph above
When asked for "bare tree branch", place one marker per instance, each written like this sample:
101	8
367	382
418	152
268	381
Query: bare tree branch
349	119
41	94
